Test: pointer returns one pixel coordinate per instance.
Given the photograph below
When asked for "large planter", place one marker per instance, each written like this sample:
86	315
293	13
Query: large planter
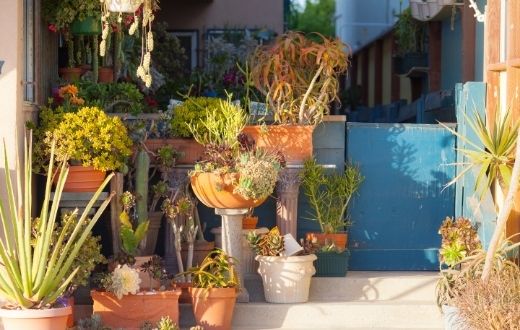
132	311
216	191
340	240
286	279
331	264
294	142
88	26
154	225
192	151
37	319
70	74
82	179
213	308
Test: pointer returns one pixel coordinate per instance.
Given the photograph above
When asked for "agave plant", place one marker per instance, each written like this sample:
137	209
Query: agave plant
35	272
494	159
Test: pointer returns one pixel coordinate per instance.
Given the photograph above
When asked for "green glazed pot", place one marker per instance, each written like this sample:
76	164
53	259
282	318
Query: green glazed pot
89	26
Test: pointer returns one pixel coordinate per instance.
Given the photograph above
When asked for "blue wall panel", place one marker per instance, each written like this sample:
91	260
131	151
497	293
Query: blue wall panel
403	200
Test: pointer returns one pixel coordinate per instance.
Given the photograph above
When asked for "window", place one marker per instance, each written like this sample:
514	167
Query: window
29	67
189	41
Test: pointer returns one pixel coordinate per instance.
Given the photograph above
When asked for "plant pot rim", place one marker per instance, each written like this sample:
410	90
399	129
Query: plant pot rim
34	313
294	259
170	292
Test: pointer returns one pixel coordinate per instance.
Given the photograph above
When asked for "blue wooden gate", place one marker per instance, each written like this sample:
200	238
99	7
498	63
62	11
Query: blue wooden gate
403	199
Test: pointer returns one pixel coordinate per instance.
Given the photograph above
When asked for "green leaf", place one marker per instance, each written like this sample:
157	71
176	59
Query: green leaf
141	231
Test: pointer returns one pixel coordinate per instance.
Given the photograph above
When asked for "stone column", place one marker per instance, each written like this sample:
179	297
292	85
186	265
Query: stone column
232	241
288	189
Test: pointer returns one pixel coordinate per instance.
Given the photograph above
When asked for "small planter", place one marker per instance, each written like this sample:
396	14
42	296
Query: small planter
155	219
131	311
294	142
37	319
339	239
213	308
89	26
105	74
286	279
331	264
249	223
70	74
82	179
216	191
192	151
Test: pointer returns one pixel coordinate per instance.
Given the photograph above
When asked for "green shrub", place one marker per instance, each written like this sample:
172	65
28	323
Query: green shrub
194	111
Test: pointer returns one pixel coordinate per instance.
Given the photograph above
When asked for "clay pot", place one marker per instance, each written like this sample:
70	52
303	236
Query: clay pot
105	74
294	142
216	191
152	233
82	179
40	319
191	150
249	222
213	308
131	311
70	74
70	318
339	239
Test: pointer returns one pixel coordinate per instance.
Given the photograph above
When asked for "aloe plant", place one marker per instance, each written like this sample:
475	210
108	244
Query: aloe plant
36	274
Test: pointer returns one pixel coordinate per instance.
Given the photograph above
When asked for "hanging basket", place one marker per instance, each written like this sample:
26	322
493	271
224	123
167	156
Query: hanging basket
123	6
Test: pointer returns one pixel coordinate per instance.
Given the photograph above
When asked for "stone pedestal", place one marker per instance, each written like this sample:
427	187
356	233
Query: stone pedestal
288	189
232	241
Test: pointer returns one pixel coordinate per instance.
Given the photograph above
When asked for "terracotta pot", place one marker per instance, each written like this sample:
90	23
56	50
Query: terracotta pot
200	251
147	283
70	318
185	297
339	239
82	179
105	74
70	74
292	141
85	68
150	240
213	308
192	151
249	222
38	319
131	311
216	191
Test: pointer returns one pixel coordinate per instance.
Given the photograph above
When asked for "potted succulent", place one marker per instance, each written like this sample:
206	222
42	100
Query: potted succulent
89	140
299	77
214	291
36	276
331	261
329	197
286	278
232	174
410	36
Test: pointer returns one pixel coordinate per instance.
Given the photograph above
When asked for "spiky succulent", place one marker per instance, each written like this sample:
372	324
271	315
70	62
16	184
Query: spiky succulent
270	244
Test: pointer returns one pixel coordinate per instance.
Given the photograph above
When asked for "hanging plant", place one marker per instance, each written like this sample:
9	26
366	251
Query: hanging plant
143	17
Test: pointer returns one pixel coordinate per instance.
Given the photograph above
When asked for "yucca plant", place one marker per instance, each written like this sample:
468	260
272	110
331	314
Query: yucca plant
494	159
217	270
36	274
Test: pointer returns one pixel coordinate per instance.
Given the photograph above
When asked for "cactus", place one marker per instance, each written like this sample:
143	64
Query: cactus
142	168
270	244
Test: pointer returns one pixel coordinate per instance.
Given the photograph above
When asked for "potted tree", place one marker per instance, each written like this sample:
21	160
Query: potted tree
299	77
214	291
410	36
286	279
329	197
36	276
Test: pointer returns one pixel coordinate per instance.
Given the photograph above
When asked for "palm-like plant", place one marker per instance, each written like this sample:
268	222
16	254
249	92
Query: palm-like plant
494	159
35	273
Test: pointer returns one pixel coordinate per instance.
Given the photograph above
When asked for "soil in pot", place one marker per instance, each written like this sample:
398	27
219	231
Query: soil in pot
213	308
340	240
37	319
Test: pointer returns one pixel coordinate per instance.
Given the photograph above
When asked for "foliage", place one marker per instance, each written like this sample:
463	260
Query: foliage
169	56
92	138
193	112
310	245
258	173
494	304
270	244
93	323
61	13
316	16
113	97
493	159
165	323
299	76
459	239
154	267
35	274
217	270
330	195
123	280
409	33
130	237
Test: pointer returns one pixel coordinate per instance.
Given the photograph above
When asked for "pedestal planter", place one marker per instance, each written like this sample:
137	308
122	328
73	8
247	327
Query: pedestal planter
132	310
339	239
294	142
216	191
37	319
83	179
331	264
286	279
288	190
213	308
191	150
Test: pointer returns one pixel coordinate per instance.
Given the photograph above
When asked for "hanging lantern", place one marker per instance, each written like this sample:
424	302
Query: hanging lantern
123	6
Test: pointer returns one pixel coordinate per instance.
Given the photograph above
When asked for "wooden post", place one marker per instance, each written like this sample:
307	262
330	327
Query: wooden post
116	185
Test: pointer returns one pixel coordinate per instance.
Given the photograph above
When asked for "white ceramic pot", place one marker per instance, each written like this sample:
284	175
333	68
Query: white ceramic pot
41	319
123	6
286	279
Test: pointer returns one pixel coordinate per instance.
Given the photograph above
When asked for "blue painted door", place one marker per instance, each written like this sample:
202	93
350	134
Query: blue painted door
403	200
